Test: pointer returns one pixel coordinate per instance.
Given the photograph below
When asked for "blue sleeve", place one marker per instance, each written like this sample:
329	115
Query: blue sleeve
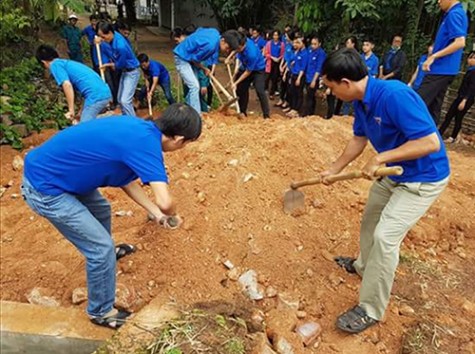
59	74
411	115
106	52
457	25
304	61
154	70
146	162
358	127
320	60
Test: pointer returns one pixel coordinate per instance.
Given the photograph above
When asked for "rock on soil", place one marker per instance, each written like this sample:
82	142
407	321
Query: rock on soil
42	297
250	286
79	296
17	163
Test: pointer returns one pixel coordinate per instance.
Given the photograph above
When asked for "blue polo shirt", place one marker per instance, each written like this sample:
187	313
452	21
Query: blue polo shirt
123	54
260	42
157	69
82	158
106	53
315	62
454	24
83	78
391	114
420	73
289	53
372	63
200	46
90	33
300	61
275	48
251	57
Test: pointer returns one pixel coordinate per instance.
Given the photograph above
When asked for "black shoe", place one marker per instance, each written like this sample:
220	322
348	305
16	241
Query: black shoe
347	263
355	320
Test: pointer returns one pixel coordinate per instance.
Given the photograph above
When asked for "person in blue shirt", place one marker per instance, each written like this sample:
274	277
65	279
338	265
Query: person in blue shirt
463	102
203	45
251	63
124	60
72	35
90	33
285	70
444	64
156	74
62	178
402	134
257	38
316	57
371	60
72	76
112	76
297	78
419	73
273	52
392	66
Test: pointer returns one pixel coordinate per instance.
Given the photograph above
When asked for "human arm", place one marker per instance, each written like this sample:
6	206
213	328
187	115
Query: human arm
243	77
458	43
413	77
154	86
69	93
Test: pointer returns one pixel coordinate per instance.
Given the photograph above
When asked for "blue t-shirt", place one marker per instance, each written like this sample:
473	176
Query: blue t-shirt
391	114
123	54
372	63
315	62
289	53
260	42
157	69
275	48
200	46
420	73
251	57
454	24
107	152
90	33
300	61
106	53
83	78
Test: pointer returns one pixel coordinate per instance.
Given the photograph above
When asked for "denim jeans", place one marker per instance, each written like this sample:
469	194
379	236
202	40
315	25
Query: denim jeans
91	111
166	87
188	75
128	84
85	221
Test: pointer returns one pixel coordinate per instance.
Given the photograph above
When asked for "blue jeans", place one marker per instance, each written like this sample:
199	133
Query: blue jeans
188	75
128	84
85	221
166	87
91	111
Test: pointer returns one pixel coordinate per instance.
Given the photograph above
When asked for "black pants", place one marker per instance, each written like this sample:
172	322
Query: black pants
296	93
113	79
242	91
273	78
454	112
331	98
284	88
338	105
310	101
432	91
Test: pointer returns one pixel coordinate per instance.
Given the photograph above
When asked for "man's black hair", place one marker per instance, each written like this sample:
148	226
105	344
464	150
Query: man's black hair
369	40
121	25
274	31
142	58
344	63
93	17
353	40
105	27
396	35
177	32
313	36
234	39
190	29
46	53
180	119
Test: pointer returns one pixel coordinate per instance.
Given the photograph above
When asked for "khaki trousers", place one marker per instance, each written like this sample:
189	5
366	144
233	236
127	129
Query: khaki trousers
391	211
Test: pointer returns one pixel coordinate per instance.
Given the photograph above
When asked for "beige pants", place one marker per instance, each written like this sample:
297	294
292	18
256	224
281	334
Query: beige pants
391	211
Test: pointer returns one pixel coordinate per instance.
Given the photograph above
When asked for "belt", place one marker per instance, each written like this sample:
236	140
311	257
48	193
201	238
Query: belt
129	69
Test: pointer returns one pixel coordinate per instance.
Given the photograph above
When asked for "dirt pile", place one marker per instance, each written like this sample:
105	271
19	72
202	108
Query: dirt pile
229	187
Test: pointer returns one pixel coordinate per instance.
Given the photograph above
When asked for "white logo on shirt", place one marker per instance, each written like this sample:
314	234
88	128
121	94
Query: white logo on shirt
378	120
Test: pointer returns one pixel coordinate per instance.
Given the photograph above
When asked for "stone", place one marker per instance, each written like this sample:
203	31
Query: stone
233	162
228	264
469	307
335	279
309	332
271	291
42	297
301	315
125	297
261	345
185	175
124	213
151	283
5	119
288	301
21	129
250	286
328	256
374	338
2	190
282	345
14	196
79	295
9	184
17	163
280	321
201	197
234	274
257	321
247	177
406	310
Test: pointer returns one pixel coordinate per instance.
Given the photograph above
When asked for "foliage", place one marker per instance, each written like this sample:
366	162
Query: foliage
13	22
31	102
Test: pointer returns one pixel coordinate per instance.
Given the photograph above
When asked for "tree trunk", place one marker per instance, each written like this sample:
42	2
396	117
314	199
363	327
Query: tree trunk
130	11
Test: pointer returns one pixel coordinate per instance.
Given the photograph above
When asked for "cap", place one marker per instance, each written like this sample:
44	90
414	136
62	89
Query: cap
72	16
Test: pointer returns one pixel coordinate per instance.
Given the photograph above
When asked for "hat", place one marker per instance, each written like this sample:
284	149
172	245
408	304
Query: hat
72	16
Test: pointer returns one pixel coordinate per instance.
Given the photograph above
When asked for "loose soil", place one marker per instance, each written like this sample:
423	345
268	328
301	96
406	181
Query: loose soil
226	218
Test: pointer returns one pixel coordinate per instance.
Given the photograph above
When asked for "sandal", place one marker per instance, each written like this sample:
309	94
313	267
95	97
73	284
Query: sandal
123	250
114	321
286	110
355	320
347	263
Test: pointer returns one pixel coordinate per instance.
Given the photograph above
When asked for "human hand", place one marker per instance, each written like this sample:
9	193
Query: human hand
97	40
462	104
370	168
171	222
149	95
327	173
204	91
297	82
312	84
429	61
70	115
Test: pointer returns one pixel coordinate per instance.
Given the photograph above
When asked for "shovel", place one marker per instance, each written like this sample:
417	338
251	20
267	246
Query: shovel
231	80
294	199
229	97
150	112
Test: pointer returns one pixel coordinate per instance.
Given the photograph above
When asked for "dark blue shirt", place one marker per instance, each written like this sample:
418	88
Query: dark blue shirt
315	62
260	42
106	53
251	57
275	48
390	115
420	73
372	63
200	46
157	69
90	33
82	158
123	54
454	24
83	78
300	61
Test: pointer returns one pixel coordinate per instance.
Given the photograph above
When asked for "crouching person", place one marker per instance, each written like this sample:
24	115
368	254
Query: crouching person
404	134
62	177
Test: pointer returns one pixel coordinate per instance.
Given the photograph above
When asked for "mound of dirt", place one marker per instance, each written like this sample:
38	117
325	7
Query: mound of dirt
229	188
